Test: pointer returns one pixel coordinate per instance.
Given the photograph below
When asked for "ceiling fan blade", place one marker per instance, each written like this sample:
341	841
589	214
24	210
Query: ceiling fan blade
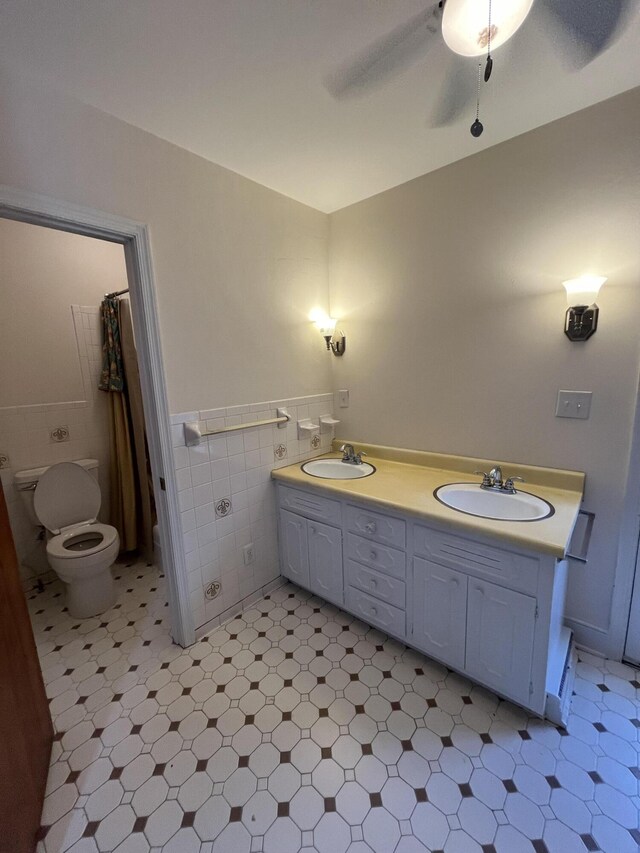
587	27
384	58
456	93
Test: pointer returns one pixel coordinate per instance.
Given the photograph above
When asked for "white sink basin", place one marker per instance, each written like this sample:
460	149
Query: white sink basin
472	500
336	469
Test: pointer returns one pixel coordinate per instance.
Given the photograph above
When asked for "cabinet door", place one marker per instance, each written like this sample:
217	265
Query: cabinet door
325	561
293	545
439	611
500	634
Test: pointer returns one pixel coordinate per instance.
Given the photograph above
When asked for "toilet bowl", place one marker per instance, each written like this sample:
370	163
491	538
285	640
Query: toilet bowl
80	550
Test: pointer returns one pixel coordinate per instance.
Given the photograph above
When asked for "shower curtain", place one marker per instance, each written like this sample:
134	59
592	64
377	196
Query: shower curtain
132	503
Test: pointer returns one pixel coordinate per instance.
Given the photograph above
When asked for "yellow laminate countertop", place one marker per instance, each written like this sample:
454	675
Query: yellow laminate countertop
408	486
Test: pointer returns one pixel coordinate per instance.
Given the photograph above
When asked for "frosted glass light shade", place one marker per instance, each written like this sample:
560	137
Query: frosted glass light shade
326	325
583	290
465	23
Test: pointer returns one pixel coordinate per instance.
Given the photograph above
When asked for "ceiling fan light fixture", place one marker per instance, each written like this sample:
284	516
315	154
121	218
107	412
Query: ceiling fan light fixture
465	23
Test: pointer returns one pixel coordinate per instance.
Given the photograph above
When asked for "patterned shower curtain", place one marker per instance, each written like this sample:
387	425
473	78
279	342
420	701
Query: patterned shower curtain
132	506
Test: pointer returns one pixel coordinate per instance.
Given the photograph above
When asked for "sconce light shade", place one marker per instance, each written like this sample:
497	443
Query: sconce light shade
465	23
326	326
581	319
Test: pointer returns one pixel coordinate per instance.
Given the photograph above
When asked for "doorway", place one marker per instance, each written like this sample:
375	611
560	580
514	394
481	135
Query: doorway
133	237
632	647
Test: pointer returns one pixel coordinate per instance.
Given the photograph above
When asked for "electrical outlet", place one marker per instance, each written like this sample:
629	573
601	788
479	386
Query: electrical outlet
343	399
248	554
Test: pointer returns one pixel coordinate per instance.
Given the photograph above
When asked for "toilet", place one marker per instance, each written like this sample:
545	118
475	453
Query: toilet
65	498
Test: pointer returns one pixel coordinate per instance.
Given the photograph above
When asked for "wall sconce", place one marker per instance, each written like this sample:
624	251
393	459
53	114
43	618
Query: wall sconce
335	342
581	319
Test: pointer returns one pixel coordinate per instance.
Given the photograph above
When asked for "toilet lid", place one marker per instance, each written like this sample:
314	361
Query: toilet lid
66	495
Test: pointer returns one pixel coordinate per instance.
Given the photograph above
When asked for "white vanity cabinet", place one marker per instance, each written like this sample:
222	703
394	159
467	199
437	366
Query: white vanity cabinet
500	638
439	604
310	550
489	610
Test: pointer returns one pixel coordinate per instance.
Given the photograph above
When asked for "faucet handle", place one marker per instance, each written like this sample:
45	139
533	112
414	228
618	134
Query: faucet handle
508	483
486	479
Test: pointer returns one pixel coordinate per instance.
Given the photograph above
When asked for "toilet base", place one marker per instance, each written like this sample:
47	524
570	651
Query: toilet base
91	596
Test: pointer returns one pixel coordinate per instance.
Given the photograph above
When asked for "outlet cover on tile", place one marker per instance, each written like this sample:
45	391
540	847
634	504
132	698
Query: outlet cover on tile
573	404
343	398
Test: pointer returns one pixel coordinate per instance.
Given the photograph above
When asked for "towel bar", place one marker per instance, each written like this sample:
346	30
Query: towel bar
193	434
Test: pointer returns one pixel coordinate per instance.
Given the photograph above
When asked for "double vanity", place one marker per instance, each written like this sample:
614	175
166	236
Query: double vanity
411	543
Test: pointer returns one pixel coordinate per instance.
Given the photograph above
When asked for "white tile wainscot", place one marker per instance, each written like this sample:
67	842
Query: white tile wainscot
25	439
236	467
490	610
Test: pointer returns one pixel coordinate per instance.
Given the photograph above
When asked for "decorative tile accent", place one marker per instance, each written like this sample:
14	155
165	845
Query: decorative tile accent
249	741
280	451
223	507
4	461
61	433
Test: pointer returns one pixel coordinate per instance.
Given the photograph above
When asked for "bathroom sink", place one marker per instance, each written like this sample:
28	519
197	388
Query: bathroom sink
502	506
336	469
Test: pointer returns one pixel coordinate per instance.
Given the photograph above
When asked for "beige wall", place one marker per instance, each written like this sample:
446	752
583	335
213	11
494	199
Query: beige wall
237	266
450	289
43	273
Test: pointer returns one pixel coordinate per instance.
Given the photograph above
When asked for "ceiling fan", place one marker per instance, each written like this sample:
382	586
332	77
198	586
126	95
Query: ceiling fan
473	28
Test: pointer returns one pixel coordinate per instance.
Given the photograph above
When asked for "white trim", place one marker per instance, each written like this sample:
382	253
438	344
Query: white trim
627	548
53	213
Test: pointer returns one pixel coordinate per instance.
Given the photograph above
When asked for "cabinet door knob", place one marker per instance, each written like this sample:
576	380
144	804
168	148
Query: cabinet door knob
479	590
374	611
373	555
312	529
371	527
455	582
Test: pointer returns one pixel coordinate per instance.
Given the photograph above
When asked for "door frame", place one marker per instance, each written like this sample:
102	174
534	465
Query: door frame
60	215
627	567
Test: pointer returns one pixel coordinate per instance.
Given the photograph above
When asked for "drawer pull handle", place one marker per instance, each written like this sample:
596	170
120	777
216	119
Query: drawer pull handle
374	583
455	582
479	590
312	528
371	527
373	555
374	611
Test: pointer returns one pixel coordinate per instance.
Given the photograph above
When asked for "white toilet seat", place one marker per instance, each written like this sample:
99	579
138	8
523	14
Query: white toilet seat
57	546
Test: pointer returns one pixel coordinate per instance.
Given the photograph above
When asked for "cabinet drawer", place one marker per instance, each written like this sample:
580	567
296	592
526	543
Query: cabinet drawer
372	525
514	570
310	505
376	612
376	584
379	557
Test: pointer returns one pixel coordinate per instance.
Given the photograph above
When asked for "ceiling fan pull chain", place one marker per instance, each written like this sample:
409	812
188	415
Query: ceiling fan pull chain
477	127
489	66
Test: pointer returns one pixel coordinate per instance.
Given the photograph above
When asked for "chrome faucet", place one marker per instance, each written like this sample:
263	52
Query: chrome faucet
350	456
493	480
496	476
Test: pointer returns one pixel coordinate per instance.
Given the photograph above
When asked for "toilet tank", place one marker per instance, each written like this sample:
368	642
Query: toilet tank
27	480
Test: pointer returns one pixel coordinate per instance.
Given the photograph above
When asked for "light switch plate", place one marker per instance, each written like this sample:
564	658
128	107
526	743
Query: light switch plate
573	404
343	399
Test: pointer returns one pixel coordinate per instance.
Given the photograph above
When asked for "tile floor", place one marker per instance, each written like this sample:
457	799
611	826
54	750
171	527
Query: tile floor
297	727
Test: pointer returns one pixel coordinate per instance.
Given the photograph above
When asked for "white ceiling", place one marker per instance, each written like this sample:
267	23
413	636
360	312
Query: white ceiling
240	82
